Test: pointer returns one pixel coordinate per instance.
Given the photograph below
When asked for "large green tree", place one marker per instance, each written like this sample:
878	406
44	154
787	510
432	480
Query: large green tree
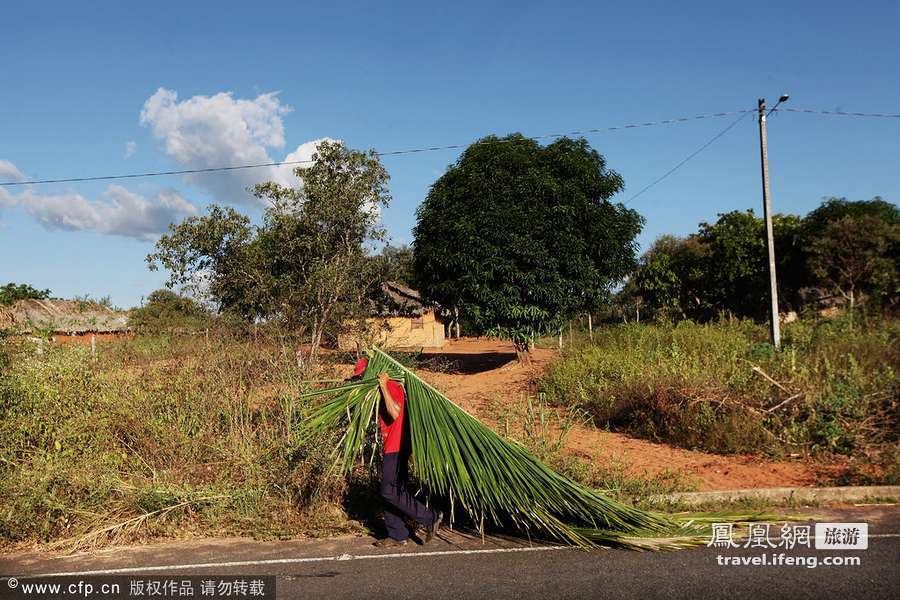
307	265
519	236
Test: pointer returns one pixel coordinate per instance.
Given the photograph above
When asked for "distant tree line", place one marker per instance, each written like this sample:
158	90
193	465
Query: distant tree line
514	240
12	292
844	251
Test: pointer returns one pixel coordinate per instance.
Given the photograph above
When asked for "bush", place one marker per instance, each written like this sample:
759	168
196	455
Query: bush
167	311
722	388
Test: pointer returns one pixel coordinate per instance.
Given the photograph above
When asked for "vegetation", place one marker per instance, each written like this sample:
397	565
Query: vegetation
487	478
166	311
847	249
544	431
720	386
155	436
398	264
518	237
11	292
306	267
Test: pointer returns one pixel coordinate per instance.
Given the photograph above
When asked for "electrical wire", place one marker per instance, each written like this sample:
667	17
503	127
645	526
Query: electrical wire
387	153
841	113
691	155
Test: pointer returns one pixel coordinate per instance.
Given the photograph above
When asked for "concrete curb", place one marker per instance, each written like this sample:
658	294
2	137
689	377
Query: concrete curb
787	494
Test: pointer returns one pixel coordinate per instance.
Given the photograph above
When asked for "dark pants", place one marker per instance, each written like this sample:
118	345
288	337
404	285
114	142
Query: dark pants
397	499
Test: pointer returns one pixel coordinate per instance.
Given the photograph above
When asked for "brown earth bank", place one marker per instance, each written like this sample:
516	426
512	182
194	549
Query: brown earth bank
84	339
479	373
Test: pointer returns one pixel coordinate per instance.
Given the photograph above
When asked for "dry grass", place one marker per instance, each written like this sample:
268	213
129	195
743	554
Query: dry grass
159	437
721	387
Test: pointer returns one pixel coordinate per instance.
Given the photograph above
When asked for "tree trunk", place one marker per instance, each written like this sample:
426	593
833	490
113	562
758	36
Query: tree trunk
852	299
560	338
590	327
456	320
315	338
522	353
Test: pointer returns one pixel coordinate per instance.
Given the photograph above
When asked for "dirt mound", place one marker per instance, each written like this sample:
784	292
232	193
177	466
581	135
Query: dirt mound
7	319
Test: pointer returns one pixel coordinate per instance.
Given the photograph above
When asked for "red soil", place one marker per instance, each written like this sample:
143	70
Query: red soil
85	339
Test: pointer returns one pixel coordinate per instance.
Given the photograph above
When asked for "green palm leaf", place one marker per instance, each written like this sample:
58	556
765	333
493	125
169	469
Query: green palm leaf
491	479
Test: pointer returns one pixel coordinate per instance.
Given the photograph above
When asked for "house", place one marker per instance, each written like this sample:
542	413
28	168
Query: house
399	319
62	320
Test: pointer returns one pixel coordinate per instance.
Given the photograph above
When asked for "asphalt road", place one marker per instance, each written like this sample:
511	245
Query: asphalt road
458	568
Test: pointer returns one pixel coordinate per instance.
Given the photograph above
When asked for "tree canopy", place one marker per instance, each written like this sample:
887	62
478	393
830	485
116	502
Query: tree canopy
166	310
845	247
307	264
519	236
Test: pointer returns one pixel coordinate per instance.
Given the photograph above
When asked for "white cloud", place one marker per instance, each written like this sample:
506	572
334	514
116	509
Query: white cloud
130	149
121	213
9	172
219	131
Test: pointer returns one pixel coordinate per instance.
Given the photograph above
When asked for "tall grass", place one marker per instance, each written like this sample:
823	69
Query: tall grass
721	387
156	436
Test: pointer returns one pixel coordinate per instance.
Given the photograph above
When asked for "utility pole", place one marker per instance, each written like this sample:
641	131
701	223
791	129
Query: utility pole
774	325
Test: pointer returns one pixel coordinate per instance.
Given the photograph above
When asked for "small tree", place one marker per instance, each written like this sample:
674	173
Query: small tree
165	310
220	252
307	264
315	237
398	262
857	254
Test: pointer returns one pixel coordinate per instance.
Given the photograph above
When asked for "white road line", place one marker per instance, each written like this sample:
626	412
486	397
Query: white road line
317	559
290	561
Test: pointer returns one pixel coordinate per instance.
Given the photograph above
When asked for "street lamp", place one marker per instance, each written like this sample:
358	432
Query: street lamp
774	325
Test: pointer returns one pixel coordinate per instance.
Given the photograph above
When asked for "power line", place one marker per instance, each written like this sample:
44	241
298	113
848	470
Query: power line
691	155
839	113
580	132
386	153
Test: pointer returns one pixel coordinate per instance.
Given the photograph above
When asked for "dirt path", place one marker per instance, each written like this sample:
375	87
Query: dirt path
486	371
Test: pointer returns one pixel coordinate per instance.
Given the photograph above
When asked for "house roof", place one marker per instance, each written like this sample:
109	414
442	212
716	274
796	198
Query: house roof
397	300
62	316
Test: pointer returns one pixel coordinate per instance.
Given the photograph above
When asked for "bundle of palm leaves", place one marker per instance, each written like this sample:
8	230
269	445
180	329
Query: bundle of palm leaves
493	480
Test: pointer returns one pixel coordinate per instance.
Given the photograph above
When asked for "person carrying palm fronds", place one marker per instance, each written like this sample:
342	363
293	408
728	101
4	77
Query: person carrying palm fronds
398	501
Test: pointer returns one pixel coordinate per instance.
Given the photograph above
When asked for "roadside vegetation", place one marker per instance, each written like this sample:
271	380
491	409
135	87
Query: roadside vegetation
722	388
155	436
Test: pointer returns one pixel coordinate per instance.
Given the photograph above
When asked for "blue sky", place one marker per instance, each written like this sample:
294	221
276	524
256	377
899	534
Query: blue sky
80	76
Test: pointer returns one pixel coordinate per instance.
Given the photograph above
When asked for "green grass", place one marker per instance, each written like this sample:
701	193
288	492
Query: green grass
721	387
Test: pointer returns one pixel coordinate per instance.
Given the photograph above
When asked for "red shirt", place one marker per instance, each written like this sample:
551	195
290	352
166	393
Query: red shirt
392	430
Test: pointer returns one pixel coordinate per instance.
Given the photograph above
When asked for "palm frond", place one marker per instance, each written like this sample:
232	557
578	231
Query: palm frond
491	479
